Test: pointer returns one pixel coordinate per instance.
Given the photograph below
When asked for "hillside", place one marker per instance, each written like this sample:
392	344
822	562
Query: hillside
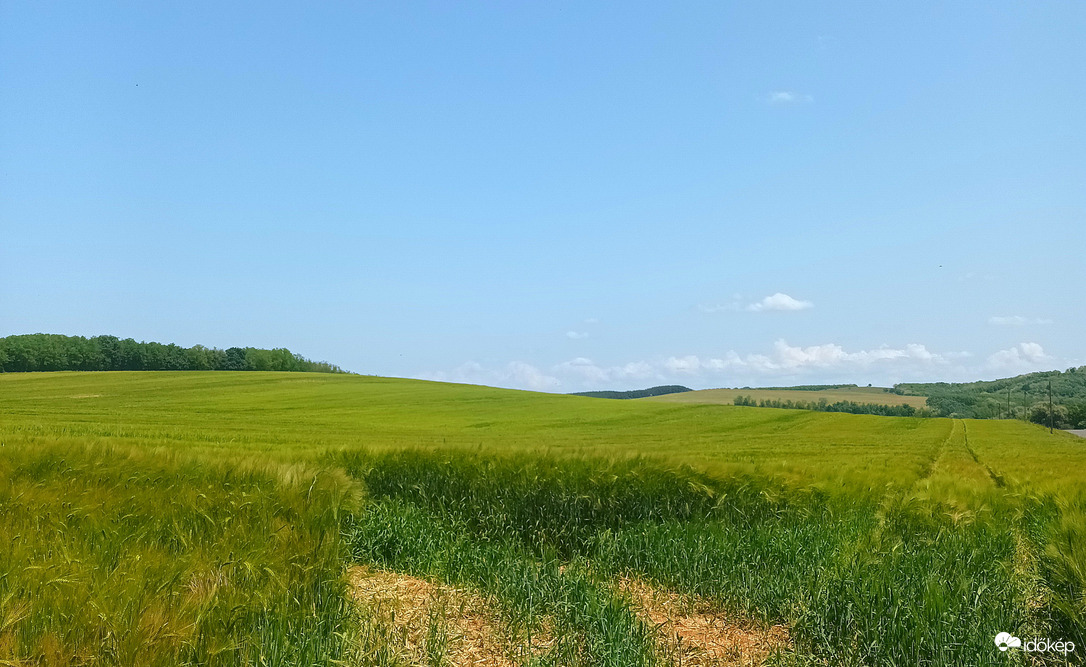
296	413
1020	397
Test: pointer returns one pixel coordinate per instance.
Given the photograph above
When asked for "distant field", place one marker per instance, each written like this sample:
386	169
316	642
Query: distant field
874	395
188	518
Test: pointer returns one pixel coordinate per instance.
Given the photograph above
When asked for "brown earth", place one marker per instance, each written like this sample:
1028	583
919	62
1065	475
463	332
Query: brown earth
695	634
421	620
425	620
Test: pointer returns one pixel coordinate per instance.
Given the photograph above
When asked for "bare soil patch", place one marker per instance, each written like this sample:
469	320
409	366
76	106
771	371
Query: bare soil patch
432	623
693	633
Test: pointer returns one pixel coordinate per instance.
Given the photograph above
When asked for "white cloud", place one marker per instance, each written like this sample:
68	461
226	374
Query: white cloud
787	357
784	360
779	301
783	363
790	359
1020	357
1015	320
585	371
526	375
576	335
515	374
789	97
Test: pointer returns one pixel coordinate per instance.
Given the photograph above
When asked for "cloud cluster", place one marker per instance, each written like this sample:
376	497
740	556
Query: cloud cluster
515	374
787	358
783	363
1021	357
586	372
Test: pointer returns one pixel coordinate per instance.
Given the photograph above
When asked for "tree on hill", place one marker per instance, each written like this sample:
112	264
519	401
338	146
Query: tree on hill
637	393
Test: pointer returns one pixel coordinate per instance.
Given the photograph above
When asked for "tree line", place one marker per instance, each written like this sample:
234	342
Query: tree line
636	393
55	352
823	405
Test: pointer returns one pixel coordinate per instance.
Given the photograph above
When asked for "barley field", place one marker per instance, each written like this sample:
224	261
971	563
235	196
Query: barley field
220	518
872	395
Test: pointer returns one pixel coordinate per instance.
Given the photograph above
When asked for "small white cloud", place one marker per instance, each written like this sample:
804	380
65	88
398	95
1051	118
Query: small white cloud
1019	357
789	97
1015	320
779	301
576	335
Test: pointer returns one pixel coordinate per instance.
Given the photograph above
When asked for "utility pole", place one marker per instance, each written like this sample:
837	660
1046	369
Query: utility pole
1009	413
1050	406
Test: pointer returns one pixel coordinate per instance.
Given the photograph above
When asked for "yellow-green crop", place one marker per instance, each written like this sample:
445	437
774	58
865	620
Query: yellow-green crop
164	518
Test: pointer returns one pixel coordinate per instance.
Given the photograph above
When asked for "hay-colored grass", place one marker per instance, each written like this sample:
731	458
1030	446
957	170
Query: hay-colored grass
697	633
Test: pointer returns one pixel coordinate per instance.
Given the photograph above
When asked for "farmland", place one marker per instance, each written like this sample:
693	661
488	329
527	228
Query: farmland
873	395
164	518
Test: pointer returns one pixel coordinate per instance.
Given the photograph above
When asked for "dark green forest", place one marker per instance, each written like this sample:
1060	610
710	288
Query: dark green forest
55	352
1020	397
812	387
637	393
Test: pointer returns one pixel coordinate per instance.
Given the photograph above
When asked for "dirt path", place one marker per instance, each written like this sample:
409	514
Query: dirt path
1080	432
426	623
694	634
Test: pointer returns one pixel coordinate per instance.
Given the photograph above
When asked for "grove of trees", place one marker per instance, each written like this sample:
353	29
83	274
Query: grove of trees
637	393
55	352
823	405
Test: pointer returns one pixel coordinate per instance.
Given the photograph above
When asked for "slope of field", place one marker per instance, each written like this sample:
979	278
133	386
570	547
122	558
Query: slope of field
185	518
302	417
874	395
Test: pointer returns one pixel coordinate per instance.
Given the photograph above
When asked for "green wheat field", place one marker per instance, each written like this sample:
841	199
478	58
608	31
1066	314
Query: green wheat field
200	518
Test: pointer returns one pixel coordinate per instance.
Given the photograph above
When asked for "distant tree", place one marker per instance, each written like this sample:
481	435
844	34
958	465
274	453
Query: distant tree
1039	414
1076	415
235	360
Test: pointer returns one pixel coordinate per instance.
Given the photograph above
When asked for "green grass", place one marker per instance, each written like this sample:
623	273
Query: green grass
170	518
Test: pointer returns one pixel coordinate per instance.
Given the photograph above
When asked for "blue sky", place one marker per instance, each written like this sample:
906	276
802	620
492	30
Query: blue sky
555	196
